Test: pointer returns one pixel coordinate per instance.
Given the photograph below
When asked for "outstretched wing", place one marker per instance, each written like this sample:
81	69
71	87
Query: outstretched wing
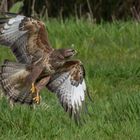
69	84
16	79
26	37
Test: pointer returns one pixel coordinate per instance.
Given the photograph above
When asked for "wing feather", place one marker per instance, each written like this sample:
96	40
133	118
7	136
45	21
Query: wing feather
9	32
26	37
70	87
16	79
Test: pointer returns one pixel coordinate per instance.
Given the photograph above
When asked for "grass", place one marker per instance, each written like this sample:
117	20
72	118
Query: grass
110	53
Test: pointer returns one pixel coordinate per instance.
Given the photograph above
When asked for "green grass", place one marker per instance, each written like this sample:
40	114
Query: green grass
111	56
16	7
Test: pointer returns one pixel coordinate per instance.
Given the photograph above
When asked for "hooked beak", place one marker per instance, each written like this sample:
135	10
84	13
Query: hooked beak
70	53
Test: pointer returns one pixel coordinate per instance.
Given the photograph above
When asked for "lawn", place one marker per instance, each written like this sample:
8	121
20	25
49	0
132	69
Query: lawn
110	53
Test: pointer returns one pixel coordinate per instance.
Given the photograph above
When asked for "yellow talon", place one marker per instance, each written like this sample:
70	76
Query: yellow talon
33	88
37	99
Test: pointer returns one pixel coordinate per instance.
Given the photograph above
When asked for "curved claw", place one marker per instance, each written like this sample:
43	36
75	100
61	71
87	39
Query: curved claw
37	99
35	91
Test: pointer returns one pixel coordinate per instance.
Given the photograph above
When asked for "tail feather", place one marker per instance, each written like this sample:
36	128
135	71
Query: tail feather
26	97
8	70
13	64
12	80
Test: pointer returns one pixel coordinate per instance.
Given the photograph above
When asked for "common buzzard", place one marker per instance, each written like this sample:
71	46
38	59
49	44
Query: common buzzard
39	65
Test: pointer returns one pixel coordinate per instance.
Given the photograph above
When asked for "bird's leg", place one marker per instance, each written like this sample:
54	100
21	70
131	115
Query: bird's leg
37	97
33	88
31	78
36	88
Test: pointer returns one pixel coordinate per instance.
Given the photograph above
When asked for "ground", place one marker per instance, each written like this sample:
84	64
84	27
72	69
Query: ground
111	55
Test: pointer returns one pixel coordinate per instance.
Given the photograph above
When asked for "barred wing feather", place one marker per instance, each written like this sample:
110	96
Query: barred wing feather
27	37
70	87
13	81
10	31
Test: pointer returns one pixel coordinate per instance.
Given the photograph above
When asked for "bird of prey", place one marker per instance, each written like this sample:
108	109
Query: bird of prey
39	65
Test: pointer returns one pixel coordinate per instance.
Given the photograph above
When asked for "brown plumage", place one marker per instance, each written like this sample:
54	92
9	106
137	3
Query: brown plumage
39	65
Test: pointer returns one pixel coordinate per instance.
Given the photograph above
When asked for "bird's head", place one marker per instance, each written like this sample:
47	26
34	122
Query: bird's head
62	54
59	56
67	53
